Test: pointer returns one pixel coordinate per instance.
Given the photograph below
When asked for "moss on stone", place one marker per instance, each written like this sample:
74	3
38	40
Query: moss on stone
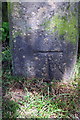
66	26
9	6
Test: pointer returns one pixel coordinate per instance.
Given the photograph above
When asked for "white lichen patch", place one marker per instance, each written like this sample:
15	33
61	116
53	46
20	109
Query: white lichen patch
36	58
24	56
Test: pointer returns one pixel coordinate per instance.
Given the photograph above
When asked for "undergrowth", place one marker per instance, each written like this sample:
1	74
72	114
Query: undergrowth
33	99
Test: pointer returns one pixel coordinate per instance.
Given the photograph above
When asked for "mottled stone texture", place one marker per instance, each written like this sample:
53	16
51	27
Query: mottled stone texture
44	39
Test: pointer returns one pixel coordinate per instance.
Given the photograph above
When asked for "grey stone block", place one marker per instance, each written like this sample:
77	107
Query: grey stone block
44	39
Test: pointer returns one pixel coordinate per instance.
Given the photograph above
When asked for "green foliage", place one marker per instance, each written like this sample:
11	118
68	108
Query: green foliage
5	31
6	54
77	69
10	109
78	65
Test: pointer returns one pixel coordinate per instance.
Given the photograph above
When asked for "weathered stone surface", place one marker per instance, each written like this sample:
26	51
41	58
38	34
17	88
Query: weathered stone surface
44	39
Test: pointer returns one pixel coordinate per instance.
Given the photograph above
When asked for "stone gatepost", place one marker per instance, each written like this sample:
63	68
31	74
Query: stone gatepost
44	39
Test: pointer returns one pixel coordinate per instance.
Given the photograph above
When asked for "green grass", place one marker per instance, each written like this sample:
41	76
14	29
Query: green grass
36	101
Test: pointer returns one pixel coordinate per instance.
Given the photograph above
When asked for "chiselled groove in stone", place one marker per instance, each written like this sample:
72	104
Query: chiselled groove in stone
40	51
59	68
49	70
